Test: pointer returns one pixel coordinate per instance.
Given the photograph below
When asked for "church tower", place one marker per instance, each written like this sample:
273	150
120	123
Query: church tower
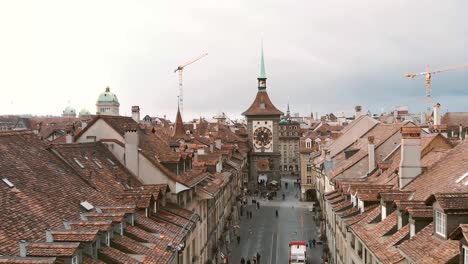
262	127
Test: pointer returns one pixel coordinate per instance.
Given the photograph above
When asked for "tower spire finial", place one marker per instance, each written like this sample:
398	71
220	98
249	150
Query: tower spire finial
262	65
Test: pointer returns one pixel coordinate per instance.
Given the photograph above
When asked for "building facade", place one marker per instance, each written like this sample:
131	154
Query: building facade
289	135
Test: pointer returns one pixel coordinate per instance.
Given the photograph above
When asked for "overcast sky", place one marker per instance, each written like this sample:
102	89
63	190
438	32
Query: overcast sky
321	56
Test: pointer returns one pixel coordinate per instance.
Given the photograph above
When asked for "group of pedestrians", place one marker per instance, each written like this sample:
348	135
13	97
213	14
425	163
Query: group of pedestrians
254	260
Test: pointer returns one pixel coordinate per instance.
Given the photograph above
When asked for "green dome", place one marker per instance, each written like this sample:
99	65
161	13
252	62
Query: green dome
283	121
107	97
69	110
84	112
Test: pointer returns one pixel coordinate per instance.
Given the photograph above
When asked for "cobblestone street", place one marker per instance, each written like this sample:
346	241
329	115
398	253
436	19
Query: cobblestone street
270	236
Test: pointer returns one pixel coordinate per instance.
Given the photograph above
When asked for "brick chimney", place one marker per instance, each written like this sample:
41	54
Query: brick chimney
131	139
136	113
371	153
410	163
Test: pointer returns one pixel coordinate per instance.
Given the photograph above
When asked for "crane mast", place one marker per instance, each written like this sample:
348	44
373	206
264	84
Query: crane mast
180	69
428	74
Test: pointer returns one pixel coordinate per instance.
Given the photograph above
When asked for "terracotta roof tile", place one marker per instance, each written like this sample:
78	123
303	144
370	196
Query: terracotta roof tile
113	255
453	201
55	249
423	247
74	235
26	260
102	226
450	168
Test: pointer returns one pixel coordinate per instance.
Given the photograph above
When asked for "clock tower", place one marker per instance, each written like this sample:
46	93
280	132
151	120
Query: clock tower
262	127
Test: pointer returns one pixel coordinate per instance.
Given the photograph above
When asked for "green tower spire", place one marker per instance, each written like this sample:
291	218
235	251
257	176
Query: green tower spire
262	66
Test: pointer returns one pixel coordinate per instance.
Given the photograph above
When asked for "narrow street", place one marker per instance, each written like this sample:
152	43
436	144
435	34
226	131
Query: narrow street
270	236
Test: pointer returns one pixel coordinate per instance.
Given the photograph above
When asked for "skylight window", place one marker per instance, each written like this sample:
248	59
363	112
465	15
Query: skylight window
98	163
86	205
111	162
5	180
79	163
462	177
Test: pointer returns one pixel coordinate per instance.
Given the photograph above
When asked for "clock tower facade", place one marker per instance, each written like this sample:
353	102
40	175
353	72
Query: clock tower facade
262	127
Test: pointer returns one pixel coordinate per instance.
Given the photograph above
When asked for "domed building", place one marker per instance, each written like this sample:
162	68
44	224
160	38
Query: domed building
84	113
69	112
107	103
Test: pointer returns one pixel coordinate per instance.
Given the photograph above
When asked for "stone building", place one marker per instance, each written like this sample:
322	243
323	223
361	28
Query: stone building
262	128
289	135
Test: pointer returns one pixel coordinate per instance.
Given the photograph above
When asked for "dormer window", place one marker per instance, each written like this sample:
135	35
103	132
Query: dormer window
441	220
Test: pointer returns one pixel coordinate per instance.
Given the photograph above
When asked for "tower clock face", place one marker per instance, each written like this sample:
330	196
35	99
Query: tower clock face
263	136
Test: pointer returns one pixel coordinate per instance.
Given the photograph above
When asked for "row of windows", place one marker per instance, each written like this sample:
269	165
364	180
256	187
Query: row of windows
289	134
287	127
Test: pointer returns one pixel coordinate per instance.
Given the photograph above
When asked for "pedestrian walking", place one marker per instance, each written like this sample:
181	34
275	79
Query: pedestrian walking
258	205
248	261
238	239
251	214
313	242
276	213
258	258
310	243
242	261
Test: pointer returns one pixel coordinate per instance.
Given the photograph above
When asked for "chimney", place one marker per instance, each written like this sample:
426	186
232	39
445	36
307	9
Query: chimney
437	115
22	248
136	113
358	111
218	143
211	148
328	164
410	163
194	125
66	224
371	153
48	235
131	139
69	135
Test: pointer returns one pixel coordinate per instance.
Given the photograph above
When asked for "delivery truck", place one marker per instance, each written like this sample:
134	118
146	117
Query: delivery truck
297	252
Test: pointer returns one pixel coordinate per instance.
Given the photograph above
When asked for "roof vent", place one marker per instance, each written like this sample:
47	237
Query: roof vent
78	163
97	163
7	182
111	162
86	205
458	180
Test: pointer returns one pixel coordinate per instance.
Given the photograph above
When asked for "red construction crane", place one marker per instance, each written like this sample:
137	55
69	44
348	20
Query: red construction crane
428	73
180	69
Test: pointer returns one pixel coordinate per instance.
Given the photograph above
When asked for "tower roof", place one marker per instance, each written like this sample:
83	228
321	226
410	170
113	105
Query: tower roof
262	66
179	126
262	105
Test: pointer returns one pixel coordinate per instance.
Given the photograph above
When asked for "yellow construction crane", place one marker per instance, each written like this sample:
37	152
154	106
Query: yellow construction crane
180	69
428	73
